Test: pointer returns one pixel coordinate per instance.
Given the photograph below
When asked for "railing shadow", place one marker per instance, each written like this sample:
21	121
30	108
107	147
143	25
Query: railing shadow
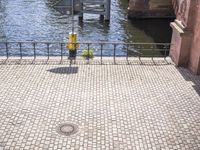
188	76
64	70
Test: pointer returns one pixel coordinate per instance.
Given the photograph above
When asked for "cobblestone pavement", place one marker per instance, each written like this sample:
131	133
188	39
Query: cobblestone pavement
135	107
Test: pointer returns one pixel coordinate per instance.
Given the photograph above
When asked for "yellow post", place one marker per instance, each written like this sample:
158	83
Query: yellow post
72	44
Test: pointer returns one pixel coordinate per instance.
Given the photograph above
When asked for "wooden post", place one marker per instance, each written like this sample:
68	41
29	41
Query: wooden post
107	8
81	9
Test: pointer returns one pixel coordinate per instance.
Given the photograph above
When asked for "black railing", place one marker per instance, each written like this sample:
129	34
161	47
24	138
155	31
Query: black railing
101	49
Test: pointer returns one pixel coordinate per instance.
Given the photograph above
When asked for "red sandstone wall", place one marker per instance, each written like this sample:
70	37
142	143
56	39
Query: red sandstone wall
185	49
150	9
182	35
137	5
176	44
181	9
194	63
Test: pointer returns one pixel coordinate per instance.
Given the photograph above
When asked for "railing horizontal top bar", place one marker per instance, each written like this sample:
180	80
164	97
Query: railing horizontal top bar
86	42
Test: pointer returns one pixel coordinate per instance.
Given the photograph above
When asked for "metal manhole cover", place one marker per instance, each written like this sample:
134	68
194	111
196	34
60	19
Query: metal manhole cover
67	129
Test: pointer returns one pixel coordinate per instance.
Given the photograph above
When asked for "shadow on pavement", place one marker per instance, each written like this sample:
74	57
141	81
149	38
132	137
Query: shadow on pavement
188	76
64	70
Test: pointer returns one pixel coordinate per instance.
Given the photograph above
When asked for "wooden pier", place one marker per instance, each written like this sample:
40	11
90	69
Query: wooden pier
101	7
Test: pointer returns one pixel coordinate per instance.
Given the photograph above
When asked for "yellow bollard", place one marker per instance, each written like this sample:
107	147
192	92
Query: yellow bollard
72	44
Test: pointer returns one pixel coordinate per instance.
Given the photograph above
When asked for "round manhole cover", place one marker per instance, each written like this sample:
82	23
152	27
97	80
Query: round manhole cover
67	129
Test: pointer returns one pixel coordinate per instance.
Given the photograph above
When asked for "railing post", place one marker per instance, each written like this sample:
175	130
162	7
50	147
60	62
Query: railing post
153	46
20	49
7	55
34	50
165	48
75	53
127	46
139	53
48	50
88	52
114	53
61	48
101	53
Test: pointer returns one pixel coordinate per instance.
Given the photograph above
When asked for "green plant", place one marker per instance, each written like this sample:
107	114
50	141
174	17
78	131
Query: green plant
87	53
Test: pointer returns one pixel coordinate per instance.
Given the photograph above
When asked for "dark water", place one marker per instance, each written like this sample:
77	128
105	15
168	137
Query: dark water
36	20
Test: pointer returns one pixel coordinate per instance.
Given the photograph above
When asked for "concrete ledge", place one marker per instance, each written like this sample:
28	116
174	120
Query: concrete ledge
179	27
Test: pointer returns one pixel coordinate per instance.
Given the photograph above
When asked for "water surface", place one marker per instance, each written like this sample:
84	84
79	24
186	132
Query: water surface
36	20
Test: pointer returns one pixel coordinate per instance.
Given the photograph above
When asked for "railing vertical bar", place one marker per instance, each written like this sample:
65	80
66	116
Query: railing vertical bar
61	54
165	48
75	53
34	50
114	55
153	49
88	45
48	50
127	47
139	53
7	53
20	49
101	53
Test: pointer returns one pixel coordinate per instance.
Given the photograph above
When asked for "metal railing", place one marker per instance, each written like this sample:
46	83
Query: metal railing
101	49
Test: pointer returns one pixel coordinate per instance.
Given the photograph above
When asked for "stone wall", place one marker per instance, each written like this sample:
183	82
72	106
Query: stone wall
150	9
194	61
185	49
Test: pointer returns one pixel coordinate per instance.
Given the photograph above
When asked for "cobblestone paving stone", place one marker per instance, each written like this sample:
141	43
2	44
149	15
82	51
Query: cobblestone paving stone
129	107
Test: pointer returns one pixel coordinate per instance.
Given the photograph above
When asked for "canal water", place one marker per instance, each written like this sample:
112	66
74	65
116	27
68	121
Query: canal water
37	20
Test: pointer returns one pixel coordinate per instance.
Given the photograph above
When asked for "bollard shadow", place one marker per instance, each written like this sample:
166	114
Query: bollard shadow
64	70
188	76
